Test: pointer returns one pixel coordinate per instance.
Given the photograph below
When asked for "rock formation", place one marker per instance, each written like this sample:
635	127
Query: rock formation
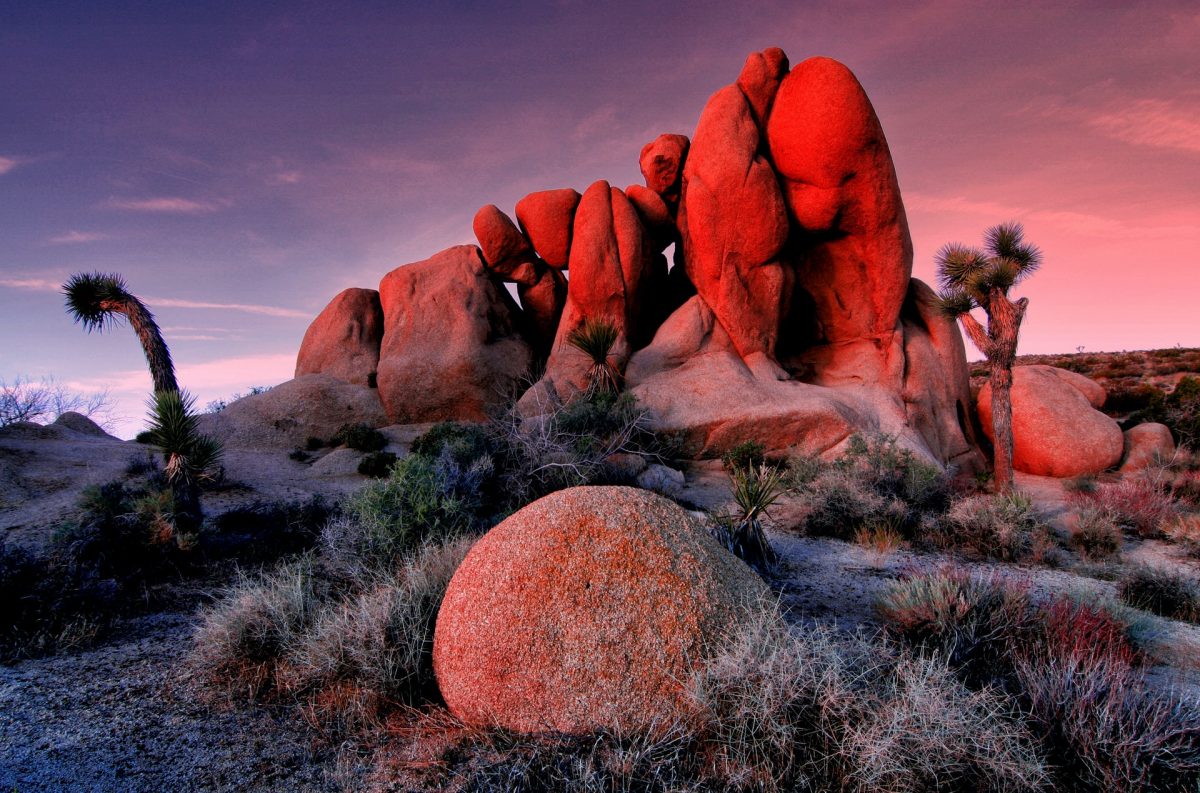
788	314
1146	445
585	610
343	341
1057	430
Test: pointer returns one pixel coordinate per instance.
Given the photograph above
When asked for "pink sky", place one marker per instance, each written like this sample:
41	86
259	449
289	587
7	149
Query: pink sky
240	166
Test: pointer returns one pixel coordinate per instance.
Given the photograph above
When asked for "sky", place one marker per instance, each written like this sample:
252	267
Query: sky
240	163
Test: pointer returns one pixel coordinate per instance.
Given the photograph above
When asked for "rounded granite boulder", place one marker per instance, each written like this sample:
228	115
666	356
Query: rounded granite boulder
586	610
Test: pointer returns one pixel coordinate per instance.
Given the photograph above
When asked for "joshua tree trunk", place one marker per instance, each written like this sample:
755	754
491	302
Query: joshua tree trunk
158	357
999	345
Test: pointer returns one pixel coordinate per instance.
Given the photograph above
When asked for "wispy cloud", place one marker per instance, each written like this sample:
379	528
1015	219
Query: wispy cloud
7	164
249	308
1151	122
36	284
78	237
163	205
286	177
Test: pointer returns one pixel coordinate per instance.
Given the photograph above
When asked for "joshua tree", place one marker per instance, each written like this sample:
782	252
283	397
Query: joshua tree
971	278
754	491
595	339
98	301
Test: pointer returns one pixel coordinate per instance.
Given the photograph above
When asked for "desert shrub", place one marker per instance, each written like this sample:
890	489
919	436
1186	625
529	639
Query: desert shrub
972	620
875	482
1084	629
1184	531
217	405
1131	396
44	401
1179	410
299	455
418	502
123	532
879	538
371	651
1096	535
747	455
466	442
312	443
1142	503
1104	729
265	531
1084	483
1005	526
360	437
376	465
48	608
248	628
1159	590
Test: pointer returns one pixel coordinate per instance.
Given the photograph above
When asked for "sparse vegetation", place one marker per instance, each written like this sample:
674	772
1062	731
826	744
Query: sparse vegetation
217	405
1141	503
376	465
754	491
1163	591
1096	534
45	400
360	437
595	339
745	455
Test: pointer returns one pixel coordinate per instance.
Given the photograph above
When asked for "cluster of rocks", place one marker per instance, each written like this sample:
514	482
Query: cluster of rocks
787	314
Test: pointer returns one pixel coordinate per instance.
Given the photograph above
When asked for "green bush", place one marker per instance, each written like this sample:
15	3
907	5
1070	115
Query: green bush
387	518
1096	535
466	442
1004	526
377	465
746	456
360	437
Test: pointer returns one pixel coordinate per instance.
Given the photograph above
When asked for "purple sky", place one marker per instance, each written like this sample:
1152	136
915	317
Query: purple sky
239	165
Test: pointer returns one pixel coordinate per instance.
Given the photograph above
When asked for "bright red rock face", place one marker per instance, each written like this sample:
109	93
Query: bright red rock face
547	217
343	341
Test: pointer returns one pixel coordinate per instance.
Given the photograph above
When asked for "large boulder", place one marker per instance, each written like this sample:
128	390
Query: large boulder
506	251
733	222
852	250
285	417
586	610
452	346
344	339
1056	431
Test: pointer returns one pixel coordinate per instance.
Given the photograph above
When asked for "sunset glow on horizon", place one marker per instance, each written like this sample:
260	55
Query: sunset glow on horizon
239	166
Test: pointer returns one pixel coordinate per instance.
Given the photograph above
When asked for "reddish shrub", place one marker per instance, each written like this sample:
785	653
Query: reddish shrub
1088	633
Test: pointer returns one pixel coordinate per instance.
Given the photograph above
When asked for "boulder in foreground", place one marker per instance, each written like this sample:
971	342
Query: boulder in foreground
586	610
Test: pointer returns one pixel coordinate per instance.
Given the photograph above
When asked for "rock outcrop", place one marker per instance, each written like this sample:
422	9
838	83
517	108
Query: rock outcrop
452	343
343	341
1056	430
789	315
586	610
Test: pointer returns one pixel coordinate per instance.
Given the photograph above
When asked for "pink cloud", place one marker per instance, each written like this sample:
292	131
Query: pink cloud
78	237
7	164
163	205
1152	122
249	308
36	284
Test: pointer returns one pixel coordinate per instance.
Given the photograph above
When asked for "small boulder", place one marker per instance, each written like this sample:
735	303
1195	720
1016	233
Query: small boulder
588	609
1056	431
546	217
344	339
506	252
1146	445
662	479
662	161
77	422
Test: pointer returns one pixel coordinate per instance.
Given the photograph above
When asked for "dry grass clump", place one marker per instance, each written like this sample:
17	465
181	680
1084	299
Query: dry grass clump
1166	592
1184	531
345	653
1004	526
1142	503
1096	534
1072	670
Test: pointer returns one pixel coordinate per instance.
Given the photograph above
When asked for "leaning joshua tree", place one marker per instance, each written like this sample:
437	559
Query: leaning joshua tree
971	278
99	301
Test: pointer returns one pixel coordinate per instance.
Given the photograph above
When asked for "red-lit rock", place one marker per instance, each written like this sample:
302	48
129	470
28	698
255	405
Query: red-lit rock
1056	431
651	207
543	305
451	341
662	161
734	223
1146	445
760	78
854	255
343	341
506	252
547	217
588	609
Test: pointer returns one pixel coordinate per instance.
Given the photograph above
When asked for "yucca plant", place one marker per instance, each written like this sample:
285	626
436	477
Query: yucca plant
595	339
189	457
972	278
98	301
755	489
